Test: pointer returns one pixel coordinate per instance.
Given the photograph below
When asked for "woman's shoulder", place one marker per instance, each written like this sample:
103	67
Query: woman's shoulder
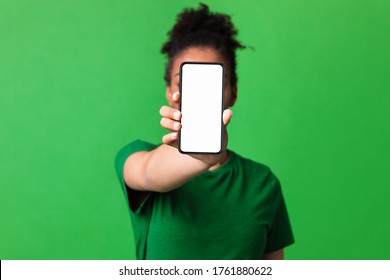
250	164
131	148
136	146
254	169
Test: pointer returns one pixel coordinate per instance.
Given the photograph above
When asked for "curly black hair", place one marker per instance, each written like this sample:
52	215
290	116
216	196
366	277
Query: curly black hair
204	29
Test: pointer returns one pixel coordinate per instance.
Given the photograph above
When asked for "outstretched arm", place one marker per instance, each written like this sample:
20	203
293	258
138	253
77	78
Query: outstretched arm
165	168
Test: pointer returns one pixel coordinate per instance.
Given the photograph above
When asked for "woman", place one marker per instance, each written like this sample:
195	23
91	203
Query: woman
201	206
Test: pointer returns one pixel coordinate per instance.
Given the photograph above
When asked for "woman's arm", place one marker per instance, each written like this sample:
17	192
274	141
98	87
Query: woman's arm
165	168
161	170
276	255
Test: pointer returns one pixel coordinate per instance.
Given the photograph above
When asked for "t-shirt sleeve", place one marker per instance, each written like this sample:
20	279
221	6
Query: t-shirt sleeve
123	154
280	234
140	216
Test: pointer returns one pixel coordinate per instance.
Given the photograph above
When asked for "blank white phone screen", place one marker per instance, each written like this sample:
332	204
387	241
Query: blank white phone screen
201	107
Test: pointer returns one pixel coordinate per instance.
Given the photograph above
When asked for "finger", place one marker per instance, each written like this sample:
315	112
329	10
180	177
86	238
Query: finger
171	113
227	116
169	138
170	124
176	96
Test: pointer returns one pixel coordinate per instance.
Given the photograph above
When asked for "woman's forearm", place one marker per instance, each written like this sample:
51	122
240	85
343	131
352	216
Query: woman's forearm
162	169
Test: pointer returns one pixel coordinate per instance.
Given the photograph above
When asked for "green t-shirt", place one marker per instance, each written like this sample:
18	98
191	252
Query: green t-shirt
236	211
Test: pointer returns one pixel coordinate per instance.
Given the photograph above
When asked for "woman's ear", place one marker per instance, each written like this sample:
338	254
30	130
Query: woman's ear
168	95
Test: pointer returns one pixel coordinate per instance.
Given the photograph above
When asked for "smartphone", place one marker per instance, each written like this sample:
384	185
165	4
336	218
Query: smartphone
201	105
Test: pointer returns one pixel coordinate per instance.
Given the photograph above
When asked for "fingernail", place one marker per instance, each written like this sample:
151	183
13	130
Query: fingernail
176	125
176	114
173	135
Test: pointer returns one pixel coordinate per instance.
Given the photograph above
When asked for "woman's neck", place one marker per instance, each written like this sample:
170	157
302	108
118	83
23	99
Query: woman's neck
222	161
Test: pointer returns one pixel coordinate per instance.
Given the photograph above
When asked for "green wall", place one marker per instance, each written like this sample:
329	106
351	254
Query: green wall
80	79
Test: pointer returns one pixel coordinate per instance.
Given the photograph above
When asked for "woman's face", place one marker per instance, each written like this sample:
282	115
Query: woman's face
199	54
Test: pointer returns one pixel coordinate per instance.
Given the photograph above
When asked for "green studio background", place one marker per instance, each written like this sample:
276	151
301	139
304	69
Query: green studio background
80	79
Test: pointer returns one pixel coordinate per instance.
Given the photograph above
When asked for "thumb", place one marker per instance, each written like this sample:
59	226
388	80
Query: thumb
226	116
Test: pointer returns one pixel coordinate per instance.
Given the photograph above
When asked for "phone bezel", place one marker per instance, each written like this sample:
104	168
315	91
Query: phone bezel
222	107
